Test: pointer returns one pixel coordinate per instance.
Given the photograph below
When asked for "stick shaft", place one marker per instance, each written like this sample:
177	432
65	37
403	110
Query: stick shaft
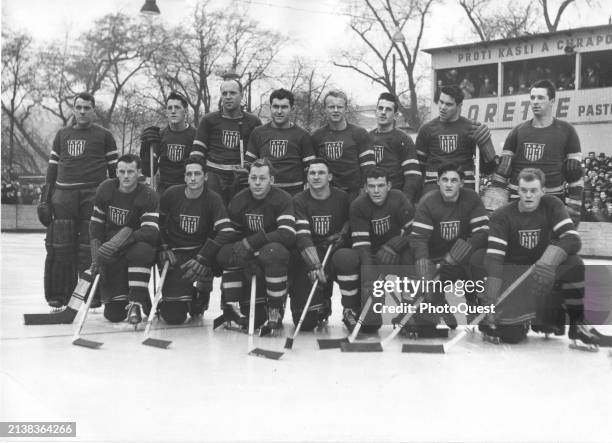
252	310
156	299
85	307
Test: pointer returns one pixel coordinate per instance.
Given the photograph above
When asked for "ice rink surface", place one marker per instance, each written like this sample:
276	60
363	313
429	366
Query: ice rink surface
206	388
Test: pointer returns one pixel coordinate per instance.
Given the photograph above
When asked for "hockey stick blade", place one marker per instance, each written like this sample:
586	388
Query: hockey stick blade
289	343
265	353
87	343
361	347
331	343
422	348
218	321
65	317
157	343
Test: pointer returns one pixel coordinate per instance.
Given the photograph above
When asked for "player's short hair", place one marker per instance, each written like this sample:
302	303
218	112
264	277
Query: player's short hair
282	94
234	80
261	163
453	91
389	97
85	96
375	172
177	96
130	158
530	174
319	161
451	167
337	94
196	160
546	84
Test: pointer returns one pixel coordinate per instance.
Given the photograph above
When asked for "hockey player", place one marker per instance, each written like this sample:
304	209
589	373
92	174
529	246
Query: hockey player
546	143
124	234
394	150
170	145
82	155
449	225
535	229
346	147
222	137
193	227
264	220
450	138
377	221
286	145
321	220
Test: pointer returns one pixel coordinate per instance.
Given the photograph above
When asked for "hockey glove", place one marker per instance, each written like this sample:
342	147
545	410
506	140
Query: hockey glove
195	269
94	245
242	250
167	255
459	253
44	209
112	248
425	268
336	240
317	274
387	256
542	278
150	135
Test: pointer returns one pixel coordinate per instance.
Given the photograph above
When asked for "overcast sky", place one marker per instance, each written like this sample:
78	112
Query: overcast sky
317	27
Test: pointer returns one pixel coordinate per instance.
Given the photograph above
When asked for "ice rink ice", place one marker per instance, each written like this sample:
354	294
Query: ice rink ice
205	388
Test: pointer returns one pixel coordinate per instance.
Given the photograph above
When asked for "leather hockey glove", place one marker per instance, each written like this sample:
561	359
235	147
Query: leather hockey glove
459	253
109	250
44	209
542	278
387	256
167	255
150	135
195	269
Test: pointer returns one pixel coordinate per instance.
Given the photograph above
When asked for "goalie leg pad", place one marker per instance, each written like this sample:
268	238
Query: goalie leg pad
173	312
60	264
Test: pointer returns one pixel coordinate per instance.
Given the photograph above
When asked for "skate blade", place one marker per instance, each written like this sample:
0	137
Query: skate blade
424	349
218	321
361	347
87	343
156	342
289	343
265	353
331	343
48	319
584	347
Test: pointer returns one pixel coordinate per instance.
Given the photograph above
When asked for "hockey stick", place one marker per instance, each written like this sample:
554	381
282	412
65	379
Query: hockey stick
156	342
289	341
68	314
257	352
76	338
444	348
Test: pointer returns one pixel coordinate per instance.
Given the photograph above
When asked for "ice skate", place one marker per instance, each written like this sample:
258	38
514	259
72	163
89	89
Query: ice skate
134	315
273	324
583	338
349	318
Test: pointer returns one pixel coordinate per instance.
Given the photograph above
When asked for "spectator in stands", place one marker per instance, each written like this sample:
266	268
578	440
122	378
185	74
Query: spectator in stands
467	87
486	89
591	78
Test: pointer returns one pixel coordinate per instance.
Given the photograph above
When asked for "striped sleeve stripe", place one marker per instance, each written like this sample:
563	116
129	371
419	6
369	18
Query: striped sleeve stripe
367	152
561	223
361	243
222	220
150	223
571	232
228	229
575	156
197	153
359	233
285	217
96	219
112	153
480	219
53	162
308	159
412	172
303	232
368	163
498	240
288	228
250	155
98	210
422	226
406	162
481	228
199	143
495	251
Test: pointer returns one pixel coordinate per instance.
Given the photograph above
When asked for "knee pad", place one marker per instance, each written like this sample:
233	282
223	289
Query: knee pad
140	254
512	333
173	312
115	311
346	261
274	253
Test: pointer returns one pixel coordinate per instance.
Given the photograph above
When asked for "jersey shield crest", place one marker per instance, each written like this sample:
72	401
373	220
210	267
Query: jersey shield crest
255	222
118	216
381	226
533	151
76	147
333	150
379	152
189	223
449	230
230	139
448	142
278	148
529	238
175	153
320	224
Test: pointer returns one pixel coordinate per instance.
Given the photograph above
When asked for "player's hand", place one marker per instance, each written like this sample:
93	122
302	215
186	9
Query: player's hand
317	274
45	213
150	135
167	255
242	249
194	270
387	256
335	240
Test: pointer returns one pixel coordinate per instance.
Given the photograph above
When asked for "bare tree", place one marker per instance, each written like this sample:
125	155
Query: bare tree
490	22
376	22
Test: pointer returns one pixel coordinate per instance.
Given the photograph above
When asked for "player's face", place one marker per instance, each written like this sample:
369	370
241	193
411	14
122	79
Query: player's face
385	113
541	105
127	173
260	181
175	112
450	184
377	189
83	112
281	110
318	176
194	176
447	108
530	193
335	109
231	97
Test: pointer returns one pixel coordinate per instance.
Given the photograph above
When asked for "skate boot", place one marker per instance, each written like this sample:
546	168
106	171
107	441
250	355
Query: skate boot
231	313
56	305
583	338
450	320
547	330
349	318
324	314
134	315
489	333
273	324
199	304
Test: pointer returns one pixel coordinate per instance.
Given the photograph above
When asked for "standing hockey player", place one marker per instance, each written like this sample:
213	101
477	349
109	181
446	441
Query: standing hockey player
263	218
378	220
346	147
193	227
535	229
394	150
124	234
222	137
170	145
286	145
450	138
449	225
81	156
321	220
546	143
